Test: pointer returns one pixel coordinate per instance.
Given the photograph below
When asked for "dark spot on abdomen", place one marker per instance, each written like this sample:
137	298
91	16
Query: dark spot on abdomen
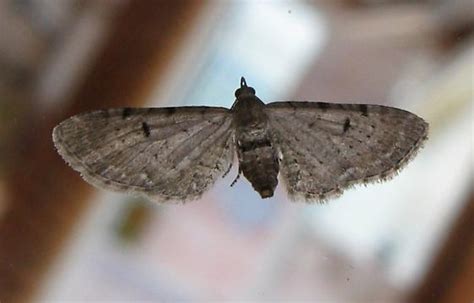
251	145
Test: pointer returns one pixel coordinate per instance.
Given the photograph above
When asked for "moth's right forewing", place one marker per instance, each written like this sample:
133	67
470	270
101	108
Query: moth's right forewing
328	147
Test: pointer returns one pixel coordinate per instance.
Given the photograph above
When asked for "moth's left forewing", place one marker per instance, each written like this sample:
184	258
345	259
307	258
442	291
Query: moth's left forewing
328	147
168	154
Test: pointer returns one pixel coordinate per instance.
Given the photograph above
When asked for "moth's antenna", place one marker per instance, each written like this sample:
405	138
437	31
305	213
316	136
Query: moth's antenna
243	83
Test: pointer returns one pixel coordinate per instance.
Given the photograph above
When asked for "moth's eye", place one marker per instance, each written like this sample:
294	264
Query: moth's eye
252	90
238	92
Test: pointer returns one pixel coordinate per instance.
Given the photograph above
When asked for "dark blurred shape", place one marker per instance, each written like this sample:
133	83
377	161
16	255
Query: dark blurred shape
46	196
133	220
456	21
451	276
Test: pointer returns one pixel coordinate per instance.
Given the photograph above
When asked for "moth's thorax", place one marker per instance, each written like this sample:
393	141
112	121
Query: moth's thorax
248	111
258	157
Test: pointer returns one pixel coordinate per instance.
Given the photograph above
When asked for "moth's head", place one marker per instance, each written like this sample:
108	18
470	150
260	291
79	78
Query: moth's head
244	89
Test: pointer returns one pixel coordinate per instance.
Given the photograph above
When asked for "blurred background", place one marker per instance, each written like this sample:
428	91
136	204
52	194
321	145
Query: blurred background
407	240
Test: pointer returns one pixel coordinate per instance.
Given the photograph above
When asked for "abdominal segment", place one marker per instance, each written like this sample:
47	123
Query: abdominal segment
258	162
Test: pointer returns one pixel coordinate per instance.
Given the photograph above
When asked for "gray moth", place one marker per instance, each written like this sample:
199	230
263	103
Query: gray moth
177	153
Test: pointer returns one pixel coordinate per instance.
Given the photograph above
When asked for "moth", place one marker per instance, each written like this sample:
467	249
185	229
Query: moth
177	153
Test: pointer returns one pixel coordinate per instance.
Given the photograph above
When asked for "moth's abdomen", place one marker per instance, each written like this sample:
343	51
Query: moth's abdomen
258	162
258	159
